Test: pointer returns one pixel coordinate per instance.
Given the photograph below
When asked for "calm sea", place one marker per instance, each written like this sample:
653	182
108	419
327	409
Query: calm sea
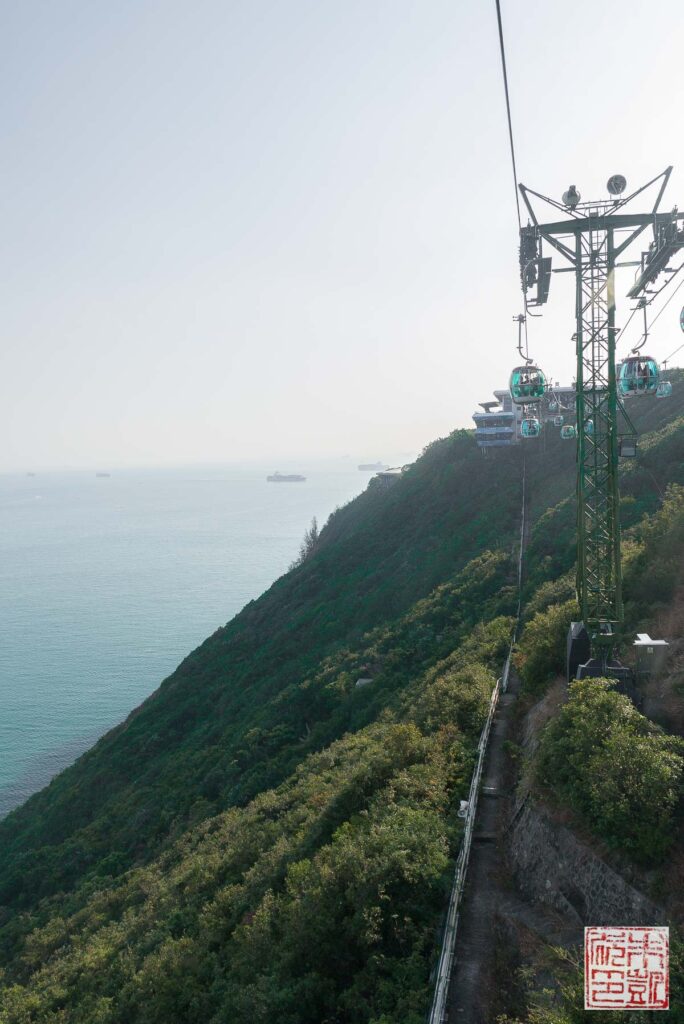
107	583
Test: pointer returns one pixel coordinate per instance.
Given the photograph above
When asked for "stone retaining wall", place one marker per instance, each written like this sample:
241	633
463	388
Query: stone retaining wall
552	866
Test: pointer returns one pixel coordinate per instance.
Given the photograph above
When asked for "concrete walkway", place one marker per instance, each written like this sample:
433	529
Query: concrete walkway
490	898
472	969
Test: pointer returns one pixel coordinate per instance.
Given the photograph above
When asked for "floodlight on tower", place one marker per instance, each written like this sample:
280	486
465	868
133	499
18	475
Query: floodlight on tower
571	198
616	184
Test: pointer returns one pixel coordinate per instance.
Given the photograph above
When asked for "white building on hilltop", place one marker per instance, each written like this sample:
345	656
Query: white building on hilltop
499	424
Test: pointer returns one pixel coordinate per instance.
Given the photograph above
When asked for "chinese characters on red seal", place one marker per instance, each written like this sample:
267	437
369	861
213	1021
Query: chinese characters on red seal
626	968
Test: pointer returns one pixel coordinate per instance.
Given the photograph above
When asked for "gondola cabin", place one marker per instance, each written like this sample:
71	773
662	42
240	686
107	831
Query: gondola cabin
589	427
530	427
638	375
664	389
553	405
558	421
568	432
527	384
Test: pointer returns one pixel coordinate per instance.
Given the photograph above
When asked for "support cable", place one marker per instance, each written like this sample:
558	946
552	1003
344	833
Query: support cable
679	347
512	145
520	567
666	304
508	111
629	320
662	308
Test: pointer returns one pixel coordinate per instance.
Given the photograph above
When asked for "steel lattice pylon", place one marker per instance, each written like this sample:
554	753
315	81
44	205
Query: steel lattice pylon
587	239
599	578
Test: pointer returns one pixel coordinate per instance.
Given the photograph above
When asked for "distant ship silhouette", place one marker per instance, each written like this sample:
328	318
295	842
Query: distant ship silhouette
285	478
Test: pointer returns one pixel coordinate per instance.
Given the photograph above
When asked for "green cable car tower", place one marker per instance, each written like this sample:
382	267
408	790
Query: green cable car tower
592	238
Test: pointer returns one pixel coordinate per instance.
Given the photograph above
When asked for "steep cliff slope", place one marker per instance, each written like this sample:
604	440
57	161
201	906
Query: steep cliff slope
264	839
595	821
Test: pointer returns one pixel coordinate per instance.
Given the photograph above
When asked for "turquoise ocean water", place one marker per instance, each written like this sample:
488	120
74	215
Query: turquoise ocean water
107	583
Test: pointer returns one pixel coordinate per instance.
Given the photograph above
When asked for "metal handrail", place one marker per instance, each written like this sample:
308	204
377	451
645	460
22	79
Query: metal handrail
438	1011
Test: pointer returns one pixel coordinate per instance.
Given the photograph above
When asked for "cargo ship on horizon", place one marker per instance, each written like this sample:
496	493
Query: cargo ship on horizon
285	478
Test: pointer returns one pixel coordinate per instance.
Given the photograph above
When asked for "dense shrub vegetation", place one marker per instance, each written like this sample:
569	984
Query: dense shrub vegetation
541	652
318	899
653	557
265	840
564	1004
623	774
654	569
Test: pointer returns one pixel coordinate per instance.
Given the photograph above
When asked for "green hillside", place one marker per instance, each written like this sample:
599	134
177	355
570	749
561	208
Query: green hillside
265	840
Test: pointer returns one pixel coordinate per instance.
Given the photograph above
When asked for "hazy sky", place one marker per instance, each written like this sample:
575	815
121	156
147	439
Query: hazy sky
278	228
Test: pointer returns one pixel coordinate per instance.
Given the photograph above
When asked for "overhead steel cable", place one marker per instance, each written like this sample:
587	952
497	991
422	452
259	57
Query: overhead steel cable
508	111
679	347
512	145
666	304
629	320
662	308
